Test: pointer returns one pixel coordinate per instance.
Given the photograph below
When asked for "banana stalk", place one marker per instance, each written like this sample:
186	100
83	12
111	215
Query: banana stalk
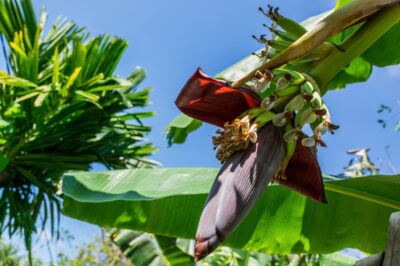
334	23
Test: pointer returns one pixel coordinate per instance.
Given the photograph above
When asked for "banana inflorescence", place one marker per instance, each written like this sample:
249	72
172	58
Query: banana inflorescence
289	32
266	142
291	99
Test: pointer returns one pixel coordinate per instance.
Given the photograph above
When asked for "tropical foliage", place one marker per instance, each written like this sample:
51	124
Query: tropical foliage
356	216
62	108
145	249
169	201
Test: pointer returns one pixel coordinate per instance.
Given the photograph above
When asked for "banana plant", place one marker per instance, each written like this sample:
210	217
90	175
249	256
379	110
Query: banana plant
265	110
267	99
62	108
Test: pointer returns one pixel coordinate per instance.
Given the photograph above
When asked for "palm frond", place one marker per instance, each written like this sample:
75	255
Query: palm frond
62	108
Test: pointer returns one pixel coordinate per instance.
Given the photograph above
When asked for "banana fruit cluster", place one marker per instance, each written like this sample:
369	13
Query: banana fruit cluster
292	102
291	99
295	98
289	31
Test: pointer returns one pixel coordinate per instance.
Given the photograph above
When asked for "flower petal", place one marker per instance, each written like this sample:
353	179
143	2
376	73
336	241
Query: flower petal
239	184
214	101
303	174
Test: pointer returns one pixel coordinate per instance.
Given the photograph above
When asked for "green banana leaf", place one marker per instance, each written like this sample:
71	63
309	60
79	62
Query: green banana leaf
358	70
178	130
385	51
169	202
144	249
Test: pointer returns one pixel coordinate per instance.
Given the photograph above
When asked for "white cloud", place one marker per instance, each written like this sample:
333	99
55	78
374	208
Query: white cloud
394	71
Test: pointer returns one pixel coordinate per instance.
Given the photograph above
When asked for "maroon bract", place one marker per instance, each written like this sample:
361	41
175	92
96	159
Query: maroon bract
303	174
213	101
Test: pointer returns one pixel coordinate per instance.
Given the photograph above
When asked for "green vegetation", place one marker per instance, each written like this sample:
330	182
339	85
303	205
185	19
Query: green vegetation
62	108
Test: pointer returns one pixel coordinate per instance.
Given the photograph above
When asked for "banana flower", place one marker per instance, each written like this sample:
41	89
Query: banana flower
247	172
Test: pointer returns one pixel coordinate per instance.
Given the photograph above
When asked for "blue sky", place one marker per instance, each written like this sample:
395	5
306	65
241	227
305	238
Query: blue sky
170	39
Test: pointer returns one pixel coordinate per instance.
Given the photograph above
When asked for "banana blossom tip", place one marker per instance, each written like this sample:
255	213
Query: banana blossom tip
238	185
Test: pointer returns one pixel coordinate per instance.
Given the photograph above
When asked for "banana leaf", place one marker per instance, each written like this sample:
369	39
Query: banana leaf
178	130
144	249
385	51
169	202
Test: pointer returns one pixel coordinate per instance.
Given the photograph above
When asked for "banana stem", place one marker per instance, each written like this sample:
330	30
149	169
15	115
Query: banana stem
355	45
337	21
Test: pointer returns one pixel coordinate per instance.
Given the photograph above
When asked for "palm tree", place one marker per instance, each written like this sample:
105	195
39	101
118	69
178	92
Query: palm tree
62	108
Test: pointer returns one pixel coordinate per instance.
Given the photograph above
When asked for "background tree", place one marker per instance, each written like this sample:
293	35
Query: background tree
62	108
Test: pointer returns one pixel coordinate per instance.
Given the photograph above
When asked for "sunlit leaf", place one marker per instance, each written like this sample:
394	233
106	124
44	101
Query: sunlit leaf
180	128
15	81
169	202
384	52
50	121
357	71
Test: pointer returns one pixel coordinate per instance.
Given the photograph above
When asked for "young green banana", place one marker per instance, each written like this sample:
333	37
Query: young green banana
307	88
295	104
305	115
289	25
292	89
278	45
283	35
264	118
252	113
290	146
296	78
